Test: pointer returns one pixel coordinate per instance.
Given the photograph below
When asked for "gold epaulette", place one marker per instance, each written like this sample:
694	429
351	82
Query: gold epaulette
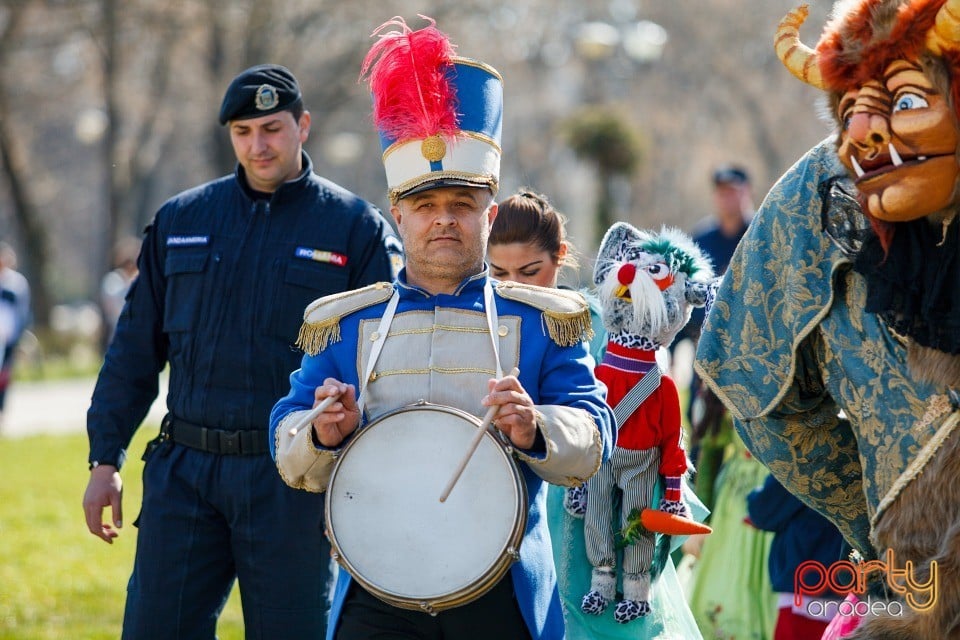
321	319
565	312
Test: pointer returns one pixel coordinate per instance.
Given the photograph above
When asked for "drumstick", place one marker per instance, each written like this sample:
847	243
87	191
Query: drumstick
487	420
317	410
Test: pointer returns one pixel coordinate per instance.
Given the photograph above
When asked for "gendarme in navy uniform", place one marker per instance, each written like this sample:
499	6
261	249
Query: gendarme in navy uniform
225	271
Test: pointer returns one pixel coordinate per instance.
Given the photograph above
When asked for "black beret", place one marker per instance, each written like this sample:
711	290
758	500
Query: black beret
259	91
730	174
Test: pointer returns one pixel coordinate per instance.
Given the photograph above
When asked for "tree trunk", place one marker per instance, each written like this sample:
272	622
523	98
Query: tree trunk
34	254
111	153
606	206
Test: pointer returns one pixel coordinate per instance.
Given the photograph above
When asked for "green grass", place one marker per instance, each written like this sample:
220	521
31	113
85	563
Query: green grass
57	581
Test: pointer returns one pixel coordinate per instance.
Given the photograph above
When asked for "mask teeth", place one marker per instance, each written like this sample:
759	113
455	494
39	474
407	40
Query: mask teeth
856	167
894	156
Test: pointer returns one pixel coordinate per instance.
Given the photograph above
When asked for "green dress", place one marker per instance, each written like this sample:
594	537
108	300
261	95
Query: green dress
670	617
730	592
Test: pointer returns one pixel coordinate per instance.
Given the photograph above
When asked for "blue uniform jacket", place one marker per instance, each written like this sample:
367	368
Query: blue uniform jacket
551	374
223	281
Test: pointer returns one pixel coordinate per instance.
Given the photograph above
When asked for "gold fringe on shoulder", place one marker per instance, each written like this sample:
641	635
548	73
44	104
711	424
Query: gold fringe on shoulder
568	329
321	319
316	337
566	314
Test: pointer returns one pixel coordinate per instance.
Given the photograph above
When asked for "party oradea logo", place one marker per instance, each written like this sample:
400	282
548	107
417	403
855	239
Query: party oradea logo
844	577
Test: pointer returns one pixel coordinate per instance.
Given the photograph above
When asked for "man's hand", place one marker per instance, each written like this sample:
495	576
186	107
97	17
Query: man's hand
105	489
341	418
517	417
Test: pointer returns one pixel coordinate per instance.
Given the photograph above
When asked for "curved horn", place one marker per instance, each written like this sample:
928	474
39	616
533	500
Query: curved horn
944	35
797	57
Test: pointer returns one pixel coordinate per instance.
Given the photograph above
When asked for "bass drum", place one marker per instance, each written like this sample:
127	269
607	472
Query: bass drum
389	529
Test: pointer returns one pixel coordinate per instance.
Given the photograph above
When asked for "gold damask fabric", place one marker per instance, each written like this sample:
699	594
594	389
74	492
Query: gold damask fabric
818	389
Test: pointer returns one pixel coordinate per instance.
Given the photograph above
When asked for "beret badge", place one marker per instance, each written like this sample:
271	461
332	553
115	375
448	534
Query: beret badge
266	97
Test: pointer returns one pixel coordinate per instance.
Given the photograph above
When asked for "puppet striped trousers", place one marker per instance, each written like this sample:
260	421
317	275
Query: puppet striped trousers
635	473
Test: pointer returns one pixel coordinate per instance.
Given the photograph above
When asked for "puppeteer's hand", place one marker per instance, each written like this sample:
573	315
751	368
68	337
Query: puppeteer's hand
517	417
694	544
104	489
341	418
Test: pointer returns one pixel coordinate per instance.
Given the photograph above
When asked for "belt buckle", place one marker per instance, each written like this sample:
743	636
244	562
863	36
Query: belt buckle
230	443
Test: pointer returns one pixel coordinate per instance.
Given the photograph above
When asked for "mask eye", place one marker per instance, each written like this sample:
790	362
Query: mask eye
657	270
907	101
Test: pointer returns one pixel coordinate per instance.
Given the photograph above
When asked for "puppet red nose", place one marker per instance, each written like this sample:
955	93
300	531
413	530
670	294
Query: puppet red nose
626	274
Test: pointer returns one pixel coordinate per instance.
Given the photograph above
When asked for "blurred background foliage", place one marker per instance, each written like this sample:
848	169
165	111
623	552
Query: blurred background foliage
617	109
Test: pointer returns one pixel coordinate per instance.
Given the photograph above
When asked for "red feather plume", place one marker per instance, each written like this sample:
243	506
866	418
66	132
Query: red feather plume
413	97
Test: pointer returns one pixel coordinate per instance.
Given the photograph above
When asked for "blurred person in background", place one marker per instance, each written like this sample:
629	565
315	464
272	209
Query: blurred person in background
733	209
718	237
116	283
729	588
15	315
800	535
226	269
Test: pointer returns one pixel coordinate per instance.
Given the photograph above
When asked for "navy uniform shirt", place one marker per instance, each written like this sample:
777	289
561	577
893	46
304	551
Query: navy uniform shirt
224	278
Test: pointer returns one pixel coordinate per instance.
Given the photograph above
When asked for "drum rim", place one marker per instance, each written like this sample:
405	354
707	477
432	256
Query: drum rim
489	578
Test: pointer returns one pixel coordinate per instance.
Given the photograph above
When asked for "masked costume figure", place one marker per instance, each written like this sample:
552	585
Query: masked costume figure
834	337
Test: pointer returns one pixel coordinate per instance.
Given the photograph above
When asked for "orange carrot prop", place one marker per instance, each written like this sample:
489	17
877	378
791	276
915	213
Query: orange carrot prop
657	522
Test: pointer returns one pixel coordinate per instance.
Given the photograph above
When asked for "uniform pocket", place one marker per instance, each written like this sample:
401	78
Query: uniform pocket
184	274
302	284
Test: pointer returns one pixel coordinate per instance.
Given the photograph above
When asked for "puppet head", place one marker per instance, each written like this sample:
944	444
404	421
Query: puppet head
648	284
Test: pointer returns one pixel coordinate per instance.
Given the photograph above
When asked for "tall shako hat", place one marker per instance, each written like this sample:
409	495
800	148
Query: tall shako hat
439	116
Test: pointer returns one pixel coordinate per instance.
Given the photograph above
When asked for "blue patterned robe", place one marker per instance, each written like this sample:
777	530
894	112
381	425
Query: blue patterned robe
819	390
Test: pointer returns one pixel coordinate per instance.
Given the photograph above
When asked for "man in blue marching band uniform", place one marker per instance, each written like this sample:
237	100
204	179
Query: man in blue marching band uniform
445	333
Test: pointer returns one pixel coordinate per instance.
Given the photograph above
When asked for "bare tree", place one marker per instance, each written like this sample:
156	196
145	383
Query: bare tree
17	169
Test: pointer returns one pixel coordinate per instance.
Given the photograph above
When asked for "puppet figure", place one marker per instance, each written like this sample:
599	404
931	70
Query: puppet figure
835	337
648	284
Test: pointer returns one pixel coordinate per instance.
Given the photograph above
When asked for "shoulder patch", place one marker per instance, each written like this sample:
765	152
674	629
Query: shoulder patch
321	319
565	312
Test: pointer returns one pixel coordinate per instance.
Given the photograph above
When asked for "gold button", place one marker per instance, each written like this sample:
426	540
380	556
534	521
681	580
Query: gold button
502	331
373	376
374	336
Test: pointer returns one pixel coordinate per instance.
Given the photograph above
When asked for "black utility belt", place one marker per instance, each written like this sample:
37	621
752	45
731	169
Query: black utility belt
250	442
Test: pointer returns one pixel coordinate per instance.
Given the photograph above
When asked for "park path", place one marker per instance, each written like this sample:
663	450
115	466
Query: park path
59	406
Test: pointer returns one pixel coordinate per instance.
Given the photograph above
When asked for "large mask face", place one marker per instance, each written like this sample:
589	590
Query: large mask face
898	139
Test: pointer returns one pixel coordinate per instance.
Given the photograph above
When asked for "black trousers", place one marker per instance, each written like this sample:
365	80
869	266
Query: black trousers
494	616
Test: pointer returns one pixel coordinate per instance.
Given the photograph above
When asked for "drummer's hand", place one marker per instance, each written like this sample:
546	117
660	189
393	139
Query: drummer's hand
341	418
105	489
517	417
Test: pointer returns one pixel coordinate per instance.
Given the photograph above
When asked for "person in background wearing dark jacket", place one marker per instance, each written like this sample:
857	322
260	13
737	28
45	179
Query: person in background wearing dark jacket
225	272
800	535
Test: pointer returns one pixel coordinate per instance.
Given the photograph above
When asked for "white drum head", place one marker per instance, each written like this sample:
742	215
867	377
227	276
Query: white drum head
384	511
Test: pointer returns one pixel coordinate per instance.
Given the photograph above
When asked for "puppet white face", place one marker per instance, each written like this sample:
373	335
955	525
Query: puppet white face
644	283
